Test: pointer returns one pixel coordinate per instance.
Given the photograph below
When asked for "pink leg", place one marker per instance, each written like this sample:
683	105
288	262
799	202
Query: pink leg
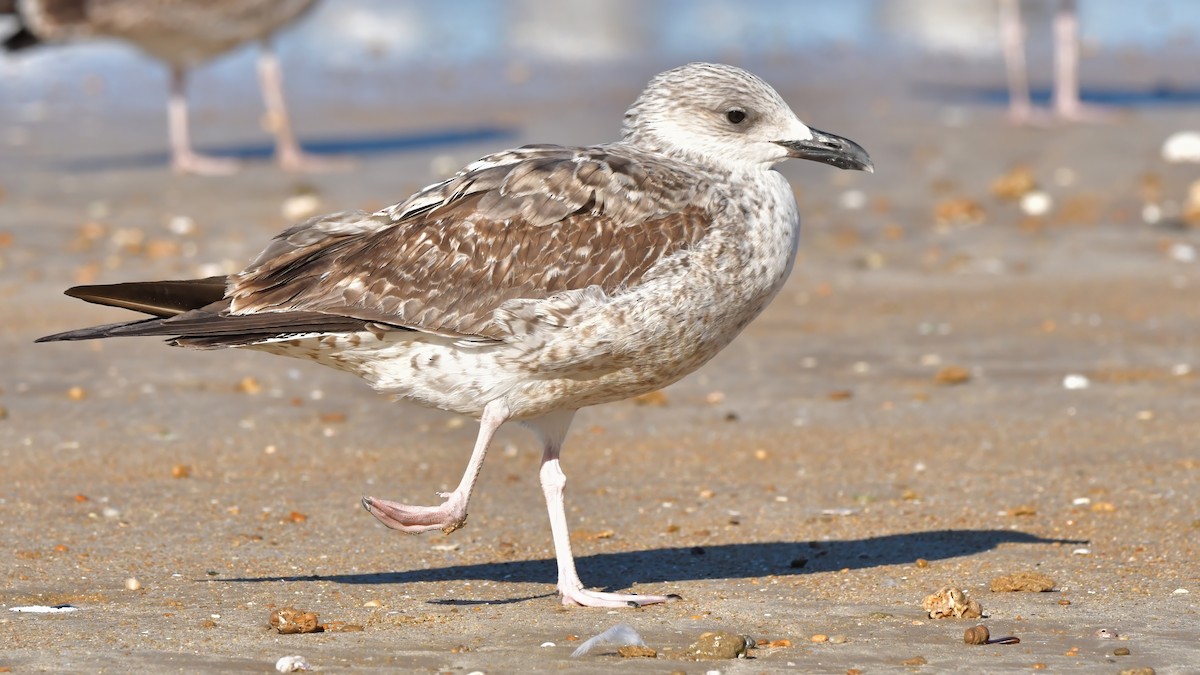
1012	34
452	514
1066	68
287	149
553	429
183	158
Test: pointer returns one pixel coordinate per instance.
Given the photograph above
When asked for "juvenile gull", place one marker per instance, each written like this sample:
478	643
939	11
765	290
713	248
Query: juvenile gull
534	282
182	34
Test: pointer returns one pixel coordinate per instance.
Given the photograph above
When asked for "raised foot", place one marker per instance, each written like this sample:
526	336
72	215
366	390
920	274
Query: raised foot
204	165
448	517
584	598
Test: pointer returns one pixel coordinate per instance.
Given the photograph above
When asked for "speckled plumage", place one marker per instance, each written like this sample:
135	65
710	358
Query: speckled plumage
534	282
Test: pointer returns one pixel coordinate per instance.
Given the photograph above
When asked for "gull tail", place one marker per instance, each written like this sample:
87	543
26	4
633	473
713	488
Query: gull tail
160	299
195	313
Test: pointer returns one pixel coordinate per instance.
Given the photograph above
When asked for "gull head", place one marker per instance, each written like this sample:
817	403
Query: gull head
729	118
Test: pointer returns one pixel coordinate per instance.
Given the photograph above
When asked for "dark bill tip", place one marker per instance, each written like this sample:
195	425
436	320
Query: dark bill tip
830	149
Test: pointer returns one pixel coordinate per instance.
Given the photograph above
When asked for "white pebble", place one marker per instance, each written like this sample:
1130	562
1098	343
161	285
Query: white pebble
181	225
1076	381
1182	146
1180	369
444	166
549	644
1081	501
1151	214
291	664
132	584
1064	176
1082	551
299	207
852	200
1182	252
1036	203
1180	591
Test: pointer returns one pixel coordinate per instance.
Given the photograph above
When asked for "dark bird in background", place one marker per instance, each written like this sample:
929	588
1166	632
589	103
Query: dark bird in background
182	34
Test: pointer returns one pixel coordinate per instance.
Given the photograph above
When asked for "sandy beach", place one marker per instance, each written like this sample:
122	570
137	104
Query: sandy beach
951	388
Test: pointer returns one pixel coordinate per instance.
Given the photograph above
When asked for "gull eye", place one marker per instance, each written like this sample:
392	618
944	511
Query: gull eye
735	116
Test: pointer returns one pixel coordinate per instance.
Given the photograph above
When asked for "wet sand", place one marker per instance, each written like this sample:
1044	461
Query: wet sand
818	477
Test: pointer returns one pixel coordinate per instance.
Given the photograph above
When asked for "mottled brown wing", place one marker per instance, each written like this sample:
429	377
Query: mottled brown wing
525	224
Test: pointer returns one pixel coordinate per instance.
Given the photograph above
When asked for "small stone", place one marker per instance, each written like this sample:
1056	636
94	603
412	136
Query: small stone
951	375
372	603
1121	651
1138	671
1076	381
922	563
655	398
1030	582
838	639
76	393
819	637
208	623
248	385
976	635
914	661
718	645
132	584
1036	203
636	652
181	471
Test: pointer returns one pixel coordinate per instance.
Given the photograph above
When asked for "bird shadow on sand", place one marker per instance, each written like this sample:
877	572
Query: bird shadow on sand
356	147
614	571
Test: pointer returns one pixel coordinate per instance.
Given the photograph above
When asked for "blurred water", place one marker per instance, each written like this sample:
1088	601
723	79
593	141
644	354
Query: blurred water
369	49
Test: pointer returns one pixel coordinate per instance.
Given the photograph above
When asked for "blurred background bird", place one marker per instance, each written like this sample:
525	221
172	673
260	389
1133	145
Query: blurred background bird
182	34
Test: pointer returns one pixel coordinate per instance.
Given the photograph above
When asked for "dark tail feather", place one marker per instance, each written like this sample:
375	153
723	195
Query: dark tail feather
162	299
156	298
95	332
194	313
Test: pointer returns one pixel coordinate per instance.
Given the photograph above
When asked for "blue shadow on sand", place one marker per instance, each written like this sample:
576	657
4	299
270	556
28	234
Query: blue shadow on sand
614	571
1162	95
362	146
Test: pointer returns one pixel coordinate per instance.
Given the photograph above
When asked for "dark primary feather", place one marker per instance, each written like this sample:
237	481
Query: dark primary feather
157	298
525	224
